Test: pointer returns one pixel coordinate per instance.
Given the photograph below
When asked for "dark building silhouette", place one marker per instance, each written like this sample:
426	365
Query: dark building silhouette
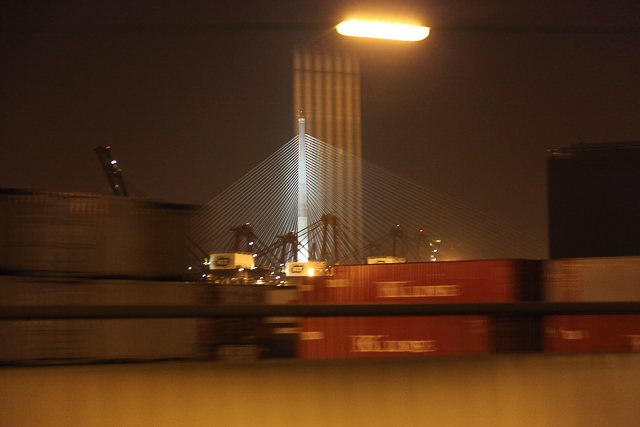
594	200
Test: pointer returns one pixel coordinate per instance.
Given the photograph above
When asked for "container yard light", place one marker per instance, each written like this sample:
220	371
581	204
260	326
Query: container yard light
382	30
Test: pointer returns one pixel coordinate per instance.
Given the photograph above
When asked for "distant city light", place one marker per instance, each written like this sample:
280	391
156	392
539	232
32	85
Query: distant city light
113	162
382	30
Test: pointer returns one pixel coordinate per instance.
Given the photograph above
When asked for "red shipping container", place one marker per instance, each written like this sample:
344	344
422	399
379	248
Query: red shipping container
432	282
392	336
592	333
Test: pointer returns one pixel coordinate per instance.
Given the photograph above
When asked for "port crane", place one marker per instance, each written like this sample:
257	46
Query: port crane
113	171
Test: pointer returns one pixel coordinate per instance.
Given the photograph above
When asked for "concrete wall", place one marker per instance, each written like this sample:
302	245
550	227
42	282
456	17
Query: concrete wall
510	390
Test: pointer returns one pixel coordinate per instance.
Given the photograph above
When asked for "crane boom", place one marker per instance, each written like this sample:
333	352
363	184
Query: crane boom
113	171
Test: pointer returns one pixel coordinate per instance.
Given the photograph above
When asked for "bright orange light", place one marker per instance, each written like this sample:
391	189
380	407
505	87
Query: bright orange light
382	30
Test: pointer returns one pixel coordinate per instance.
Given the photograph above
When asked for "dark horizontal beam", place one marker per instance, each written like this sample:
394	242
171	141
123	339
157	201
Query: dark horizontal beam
307	26
211	311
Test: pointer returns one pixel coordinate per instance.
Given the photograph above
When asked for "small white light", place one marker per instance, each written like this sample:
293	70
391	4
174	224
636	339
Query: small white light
250	243
255	255
113	162
310	271
189	268
277	277
241	269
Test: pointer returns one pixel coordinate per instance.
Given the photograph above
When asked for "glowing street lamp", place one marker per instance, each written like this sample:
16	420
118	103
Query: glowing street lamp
382	30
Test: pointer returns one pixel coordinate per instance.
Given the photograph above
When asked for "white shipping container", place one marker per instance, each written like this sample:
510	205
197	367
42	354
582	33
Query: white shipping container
308	268
385	260
592	279
231	261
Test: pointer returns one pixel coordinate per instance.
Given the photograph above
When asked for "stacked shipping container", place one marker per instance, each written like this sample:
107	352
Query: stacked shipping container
96	340
77	245
592	280
57	248
434	282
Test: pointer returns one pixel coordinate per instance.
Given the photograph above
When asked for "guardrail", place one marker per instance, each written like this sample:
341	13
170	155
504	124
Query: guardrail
314	310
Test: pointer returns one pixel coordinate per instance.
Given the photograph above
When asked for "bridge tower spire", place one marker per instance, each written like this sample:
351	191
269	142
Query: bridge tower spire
302	182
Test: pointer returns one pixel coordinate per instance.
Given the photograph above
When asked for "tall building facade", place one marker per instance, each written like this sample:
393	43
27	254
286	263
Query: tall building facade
327	93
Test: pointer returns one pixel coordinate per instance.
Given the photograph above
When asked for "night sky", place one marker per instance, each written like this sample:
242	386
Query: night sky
192	95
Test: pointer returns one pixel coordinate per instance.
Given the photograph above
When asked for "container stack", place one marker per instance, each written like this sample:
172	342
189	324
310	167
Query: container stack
69	249
424	283
96	340
613	279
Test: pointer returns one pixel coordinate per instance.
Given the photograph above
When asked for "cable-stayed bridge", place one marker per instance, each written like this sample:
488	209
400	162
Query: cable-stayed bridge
389	213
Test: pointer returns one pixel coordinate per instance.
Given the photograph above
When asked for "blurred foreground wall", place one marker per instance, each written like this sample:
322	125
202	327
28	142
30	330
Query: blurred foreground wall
57	234
510	390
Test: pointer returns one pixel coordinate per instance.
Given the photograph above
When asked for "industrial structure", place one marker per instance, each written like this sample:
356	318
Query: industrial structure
594	200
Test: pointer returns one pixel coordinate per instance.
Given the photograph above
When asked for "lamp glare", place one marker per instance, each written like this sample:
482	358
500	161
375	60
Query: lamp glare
382	30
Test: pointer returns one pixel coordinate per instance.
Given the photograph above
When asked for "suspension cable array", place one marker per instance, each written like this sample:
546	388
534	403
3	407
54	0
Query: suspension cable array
346	226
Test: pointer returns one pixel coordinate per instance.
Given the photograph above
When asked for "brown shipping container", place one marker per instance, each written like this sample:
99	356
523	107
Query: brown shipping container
25	290
393	336
592	333
89	235
232	338
592	279
432	282
248	338
96	340
516	333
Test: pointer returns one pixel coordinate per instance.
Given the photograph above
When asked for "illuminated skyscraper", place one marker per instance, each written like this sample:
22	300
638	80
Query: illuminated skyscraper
327	91
327	94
